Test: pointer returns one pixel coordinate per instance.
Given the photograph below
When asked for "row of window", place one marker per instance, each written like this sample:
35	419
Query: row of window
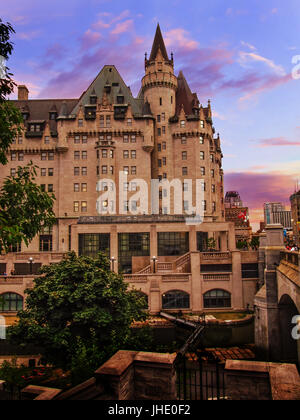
174	299
184	140
105	121
182	123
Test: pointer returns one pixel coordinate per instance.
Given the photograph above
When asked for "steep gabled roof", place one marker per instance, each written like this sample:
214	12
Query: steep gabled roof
184	96
109	77
158	43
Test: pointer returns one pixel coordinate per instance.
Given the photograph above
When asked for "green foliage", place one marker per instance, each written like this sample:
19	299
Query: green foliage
211	244
13	374
10	121
24	208
6	47
254	243
78	307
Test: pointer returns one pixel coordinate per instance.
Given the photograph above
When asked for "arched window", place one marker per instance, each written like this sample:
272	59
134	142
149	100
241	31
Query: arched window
217	298
175	299
11	302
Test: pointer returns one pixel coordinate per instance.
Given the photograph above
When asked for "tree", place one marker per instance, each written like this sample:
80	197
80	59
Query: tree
24	208
78	310
10	116
211	244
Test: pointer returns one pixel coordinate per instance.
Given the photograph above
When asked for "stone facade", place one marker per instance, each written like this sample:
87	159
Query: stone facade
82	145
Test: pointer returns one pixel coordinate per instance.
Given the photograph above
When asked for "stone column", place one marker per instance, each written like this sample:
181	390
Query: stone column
114	250
193	239
231	237
223	240
196	286
237	282
154	295
261	257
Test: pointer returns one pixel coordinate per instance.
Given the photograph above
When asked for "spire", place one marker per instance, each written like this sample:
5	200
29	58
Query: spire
158	43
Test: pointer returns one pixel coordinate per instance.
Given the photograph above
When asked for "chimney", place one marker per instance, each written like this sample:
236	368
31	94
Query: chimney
22	93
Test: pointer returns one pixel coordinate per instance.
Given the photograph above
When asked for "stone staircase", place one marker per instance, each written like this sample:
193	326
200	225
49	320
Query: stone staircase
180	265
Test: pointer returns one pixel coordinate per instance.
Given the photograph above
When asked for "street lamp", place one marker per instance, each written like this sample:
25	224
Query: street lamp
113	259
30	261
154	259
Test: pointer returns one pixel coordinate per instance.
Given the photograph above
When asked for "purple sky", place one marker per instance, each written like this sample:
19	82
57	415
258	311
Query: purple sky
238	54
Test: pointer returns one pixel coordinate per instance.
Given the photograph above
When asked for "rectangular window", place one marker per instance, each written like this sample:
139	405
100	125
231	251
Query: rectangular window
83	206
164	161
76	139
201	140
21	156
184	170
133	186
202	124
20	140
125	139
163	116
203	186
76	155
159	131
202	169
125	154
204	205
214	206
50	155
50	188
50	171
76	187
211	158
80	122
111	170
133	139
47	140
111	154
13	156
90	244
84	170
84	154
202	155
101	121
164	145
45	243
213	188
76	206
104	169
44	156
43	187
133	170
159	147
212	172
129	121
159	163
184	155
13	172
183	140
163	129
84	139
126	170
108	121
104	153
182	123
76	171
158	118
133	154
172	243
132	245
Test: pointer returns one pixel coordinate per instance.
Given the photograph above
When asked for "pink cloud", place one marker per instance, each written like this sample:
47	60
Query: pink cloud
180	38
90	38
268	83
278	141
122	27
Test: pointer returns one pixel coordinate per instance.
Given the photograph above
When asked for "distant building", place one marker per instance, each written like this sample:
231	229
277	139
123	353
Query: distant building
295	214
269	209
233	199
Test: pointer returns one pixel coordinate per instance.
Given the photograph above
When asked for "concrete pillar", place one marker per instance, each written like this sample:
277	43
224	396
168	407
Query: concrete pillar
196	286
237	283
114	248
231	237
153	242
223	240
193	239
155	303
261	257
74	239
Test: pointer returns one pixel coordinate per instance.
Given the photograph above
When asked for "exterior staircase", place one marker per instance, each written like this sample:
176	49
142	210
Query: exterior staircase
180	265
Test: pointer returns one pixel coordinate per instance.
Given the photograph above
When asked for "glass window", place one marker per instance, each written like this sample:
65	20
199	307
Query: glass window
50	171
84	139
104	153
11	302
76	170
45	243
84	170
183	140
76	187
133	154
76	206
14	156
173	243
184	171
202	238
80	122
77	155
50	155
133	170
159	147
104	169
50	188
132	245
47	140
202	155
202	124
202	169
125	139
21	156
84	187
164	145
184	155
101	121
201	140
13	172
77	139
217	298
182	123
133	139
129	121
83	206
126	169
125	154
84	154
175	299
90	244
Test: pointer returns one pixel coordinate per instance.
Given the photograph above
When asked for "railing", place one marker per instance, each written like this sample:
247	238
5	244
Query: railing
214	255
184	259
134	278
175	277
216	277
165	266
146	270
11	279
291	257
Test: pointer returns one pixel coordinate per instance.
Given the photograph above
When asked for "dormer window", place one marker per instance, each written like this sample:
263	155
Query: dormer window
53	115
120	99
93	100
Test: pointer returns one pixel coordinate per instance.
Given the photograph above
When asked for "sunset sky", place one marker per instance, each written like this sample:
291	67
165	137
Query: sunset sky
236	53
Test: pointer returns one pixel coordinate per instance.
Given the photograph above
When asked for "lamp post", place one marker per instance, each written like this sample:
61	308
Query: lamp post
113	259
30	261
154	259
